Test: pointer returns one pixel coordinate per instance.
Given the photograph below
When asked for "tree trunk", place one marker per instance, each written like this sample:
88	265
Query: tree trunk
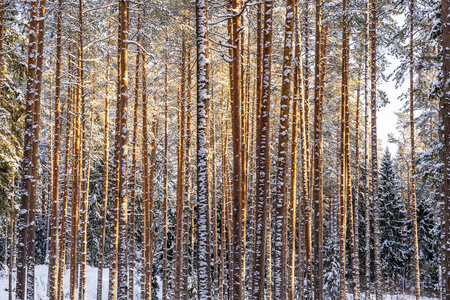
146	286
27	166
345	192
297	102
262	157
445	158
236	239
355	251
11	234
122	257
318	164
166	175
53	263
105	181
133	167
373	108
366	145
68	141
279	273
203	97
413	206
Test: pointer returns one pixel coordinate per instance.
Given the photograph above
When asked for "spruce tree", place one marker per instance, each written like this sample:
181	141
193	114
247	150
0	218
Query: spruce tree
393	222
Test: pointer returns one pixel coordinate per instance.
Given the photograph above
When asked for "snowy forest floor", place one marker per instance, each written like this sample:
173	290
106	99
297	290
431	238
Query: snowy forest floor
42	277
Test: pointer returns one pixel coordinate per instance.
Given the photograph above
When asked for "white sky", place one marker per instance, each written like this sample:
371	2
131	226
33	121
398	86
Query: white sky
386	118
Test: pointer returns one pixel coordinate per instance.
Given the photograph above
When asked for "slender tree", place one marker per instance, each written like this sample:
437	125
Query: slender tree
445	158
373	108
262	157
105	180
54	254
413	204
122	272
280	259
203	96
318	163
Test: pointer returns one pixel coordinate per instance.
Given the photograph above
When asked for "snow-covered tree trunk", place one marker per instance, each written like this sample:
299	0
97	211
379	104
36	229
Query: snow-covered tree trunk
280	259
30	260
373	108
101	258
366	147
122	257
203	97
187	185
27	164
262	157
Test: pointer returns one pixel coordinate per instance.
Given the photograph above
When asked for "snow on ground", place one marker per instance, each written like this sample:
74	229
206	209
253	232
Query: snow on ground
392	297
41	286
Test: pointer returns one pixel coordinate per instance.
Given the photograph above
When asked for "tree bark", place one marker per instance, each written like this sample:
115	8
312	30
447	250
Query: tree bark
280	259
445	158
203	97
105	180
54	257
413	153
122	257
318	163
373	108
262	157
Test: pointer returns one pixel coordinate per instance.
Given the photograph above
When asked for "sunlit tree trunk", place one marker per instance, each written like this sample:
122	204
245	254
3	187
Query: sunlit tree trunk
122	257
145	294
133	167
187	183
77	161
296	106
236	239
262	156
54	254
279	273
344	194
